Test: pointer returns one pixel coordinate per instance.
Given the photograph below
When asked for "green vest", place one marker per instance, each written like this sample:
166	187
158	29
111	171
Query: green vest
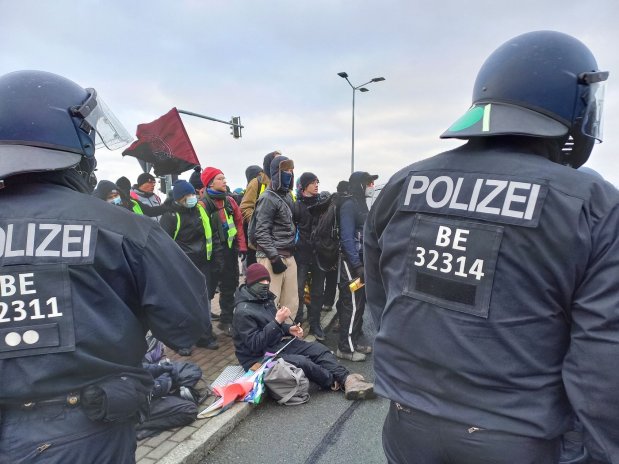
231	227
137	209
206	223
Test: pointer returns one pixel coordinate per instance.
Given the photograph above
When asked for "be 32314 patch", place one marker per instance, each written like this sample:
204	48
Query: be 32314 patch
451	263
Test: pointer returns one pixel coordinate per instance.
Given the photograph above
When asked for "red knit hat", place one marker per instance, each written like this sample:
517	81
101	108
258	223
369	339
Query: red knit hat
209	174
255	273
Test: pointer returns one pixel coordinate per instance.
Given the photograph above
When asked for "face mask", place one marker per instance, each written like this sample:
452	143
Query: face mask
260	290
369	192
115	201
191	201
286	179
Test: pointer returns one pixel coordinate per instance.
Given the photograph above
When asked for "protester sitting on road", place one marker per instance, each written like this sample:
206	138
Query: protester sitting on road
259	327
189	226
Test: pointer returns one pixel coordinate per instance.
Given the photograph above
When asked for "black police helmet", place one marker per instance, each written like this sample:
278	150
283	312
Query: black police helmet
541	84
42	127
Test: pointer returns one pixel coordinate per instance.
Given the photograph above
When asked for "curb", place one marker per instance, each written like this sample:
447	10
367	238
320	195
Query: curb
196	447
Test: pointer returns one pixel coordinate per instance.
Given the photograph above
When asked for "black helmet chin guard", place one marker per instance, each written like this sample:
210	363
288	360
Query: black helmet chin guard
540	84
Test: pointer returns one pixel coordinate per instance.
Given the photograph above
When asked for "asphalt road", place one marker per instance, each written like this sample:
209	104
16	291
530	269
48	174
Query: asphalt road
328	429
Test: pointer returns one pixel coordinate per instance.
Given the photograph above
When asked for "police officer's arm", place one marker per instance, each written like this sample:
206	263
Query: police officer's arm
591	365
347	233
265	215
381	212
172	291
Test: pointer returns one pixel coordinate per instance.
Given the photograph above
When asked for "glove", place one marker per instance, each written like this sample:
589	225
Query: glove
360	272
278	265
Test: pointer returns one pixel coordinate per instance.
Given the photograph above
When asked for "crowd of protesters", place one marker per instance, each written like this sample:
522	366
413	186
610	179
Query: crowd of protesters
272	222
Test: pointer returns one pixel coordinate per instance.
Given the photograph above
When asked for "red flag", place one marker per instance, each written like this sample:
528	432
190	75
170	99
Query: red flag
165	144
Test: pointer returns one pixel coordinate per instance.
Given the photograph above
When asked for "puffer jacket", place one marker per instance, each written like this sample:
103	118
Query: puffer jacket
254	328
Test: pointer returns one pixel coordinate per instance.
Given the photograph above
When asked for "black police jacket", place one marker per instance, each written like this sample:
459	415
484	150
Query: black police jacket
492	277
81	281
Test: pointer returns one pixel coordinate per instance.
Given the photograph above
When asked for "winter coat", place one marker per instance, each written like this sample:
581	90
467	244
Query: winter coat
305	223
191	237
254	328
353	213
232	209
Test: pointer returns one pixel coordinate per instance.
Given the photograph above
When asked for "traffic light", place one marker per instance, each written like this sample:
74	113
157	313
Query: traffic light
236	127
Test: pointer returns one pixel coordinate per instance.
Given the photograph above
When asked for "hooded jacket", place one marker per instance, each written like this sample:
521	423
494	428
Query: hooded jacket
275	230
254	328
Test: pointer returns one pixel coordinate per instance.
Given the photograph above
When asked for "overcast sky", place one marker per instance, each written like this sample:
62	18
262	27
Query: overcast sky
275	64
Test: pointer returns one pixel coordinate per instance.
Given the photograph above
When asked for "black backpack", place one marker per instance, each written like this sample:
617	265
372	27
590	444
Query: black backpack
325	236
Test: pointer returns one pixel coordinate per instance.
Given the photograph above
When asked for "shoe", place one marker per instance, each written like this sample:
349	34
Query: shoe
225	328
355	356
214	317
356	388
327	308
365	349
317	332
210	343
184	351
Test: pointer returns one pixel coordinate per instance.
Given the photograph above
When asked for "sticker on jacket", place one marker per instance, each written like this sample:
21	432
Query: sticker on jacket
489	197
451	263
36	316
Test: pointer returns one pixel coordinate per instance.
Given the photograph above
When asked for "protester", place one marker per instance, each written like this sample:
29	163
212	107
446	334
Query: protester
491	272
260	327
228	243
275	233
352	213
254	175
72	385
188	224
305	253
196	181
144	191
257	185
113	194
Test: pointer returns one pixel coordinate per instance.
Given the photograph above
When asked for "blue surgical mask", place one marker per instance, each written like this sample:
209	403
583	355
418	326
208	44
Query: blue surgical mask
115	201
191	201
286	179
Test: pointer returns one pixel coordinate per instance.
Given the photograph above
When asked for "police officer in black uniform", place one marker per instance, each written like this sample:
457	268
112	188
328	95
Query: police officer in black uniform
491	273
81	282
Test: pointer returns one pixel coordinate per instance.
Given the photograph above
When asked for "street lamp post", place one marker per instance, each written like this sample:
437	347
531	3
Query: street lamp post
360	88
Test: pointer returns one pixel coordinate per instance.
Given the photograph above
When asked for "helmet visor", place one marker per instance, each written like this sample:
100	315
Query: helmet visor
110	132
592	124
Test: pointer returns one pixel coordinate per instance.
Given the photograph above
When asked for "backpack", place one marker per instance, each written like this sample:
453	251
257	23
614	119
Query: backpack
287	383
325	236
